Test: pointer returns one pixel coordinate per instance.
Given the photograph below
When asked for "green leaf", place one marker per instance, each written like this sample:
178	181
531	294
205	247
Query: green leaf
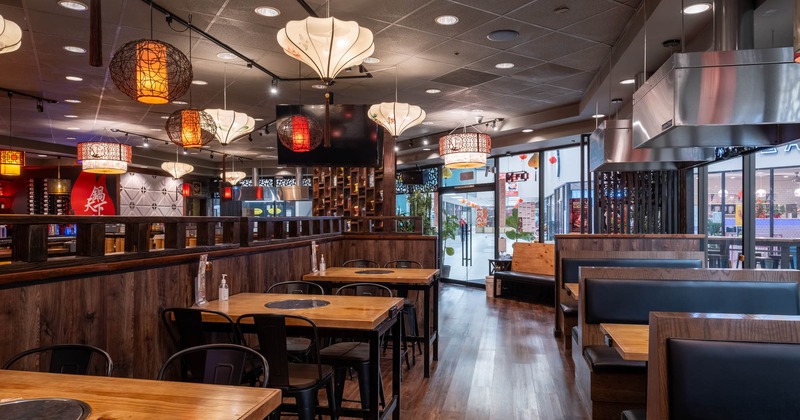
450	251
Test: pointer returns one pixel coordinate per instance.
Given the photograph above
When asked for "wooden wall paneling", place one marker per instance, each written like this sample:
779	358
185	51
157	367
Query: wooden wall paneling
175	235
205	233
90	239
389	248
137	237
718	327
30	243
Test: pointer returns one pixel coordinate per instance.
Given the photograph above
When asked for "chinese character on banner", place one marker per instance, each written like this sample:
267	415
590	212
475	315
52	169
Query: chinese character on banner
90	196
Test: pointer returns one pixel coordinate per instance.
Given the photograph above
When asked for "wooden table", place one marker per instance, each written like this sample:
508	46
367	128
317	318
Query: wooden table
573	289
118	398
402	279
630	340
358	317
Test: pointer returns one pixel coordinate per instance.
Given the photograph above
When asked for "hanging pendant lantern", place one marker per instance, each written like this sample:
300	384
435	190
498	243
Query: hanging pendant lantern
191	128
10	36
227	192
465	150
396	117
300	133
59	186
151	71
186	189
104	157
328	45
11	162
177	169
231	124
233	177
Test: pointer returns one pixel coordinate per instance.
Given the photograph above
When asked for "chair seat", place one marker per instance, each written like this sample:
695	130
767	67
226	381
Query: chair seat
346	352
297	344
305	375
606	359
569	309
634	414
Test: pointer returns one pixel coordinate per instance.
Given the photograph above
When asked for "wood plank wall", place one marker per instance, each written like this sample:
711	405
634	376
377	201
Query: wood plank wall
119	311
382	248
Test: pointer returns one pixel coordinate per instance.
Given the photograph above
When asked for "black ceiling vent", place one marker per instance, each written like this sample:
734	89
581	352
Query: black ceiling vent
465	78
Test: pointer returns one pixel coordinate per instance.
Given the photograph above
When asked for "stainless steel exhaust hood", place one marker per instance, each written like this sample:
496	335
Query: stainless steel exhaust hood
611	149
720	99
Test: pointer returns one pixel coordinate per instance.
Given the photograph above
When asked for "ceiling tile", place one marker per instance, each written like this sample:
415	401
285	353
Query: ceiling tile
507	85
543	12
520	63
399	40
577	82
500	7
424	18
552	46
457	53
546	72
543	91
480	33
589	59
465	78
604	27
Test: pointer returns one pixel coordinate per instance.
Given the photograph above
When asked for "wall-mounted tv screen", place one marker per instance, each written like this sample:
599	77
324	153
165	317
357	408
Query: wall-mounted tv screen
411	177
355	139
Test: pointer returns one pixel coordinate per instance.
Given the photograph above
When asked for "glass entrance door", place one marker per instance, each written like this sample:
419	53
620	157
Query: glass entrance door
468	232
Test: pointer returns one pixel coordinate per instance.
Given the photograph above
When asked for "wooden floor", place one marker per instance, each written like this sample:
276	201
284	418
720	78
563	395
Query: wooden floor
498	360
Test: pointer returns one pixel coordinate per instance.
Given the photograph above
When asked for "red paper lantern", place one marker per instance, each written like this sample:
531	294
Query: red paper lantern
519	200
523	157
463	201
552	159
259	193
227	192
186	190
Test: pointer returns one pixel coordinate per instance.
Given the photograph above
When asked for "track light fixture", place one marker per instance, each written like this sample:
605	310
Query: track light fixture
266	130
39	105
274	88
250	137
185	152
145	142
212	155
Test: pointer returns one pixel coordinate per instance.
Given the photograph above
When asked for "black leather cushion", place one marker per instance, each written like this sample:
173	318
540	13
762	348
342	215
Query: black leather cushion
346	352
733	380
631	301
603	359
634	414
569	309
516	276
570	267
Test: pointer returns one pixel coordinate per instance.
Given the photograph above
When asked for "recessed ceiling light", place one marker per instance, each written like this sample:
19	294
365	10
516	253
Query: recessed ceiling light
502	35
74	49
70	138
319	86
504	65
179	102
73	5
42	155
433	91
446	20
627	81
598	116
477	111
70	116
73	128
72	101
425	142
74	79
199	82
427	149
372	60
258	119
696	8
427	123
226	56
527	130
560	10
267	11
155	129
165	117
616	101
397	148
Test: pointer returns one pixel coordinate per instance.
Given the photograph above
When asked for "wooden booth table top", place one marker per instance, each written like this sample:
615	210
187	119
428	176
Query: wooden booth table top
630	340
352	312
573	289
374	275
127	398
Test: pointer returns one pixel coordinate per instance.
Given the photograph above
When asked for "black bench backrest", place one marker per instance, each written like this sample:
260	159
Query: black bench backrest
732	380
631	301
570	267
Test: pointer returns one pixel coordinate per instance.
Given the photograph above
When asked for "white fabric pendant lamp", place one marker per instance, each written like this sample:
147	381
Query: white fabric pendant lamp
10	36
327	45
177	169
230	124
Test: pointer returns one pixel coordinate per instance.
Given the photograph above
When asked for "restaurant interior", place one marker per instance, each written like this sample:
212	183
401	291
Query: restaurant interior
581	209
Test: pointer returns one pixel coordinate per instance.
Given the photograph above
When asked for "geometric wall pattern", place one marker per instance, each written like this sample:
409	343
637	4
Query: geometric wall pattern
150	195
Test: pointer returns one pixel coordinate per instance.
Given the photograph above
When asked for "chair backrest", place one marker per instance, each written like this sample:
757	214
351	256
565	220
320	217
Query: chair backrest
271	330
713	366
186	328
570	267
296	288
73	359
365	289
403	264
222	364
361	263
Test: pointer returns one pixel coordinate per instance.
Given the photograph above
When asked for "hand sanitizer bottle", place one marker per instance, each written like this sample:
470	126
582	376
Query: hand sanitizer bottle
322	264
223	289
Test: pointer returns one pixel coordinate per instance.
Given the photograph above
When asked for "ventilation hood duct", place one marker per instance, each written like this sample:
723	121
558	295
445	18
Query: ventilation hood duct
720	99
611	149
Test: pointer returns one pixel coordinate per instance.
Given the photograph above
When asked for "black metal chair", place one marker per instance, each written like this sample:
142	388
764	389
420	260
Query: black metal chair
222	364
409	307
296	288
186	329
300	381
361	263
75	359
298	347
345	355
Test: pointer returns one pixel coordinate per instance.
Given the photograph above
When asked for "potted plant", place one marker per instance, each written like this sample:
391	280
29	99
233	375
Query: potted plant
420	204
449	229
515	234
